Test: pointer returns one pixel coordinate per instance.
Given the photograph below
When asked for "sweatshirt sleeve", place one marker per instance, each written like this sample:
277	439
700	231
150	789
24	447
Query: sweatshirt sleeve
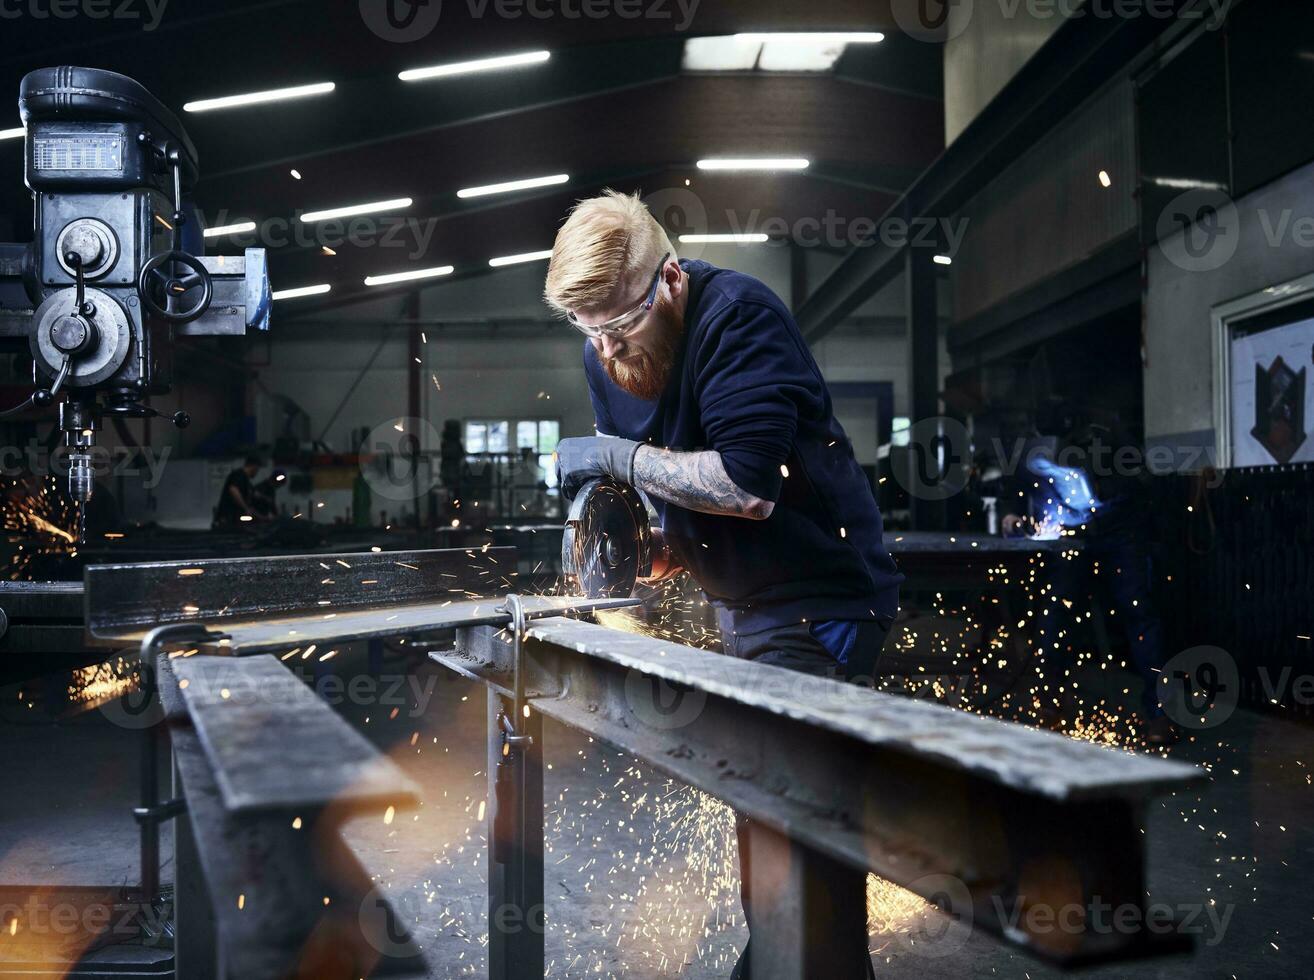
601	413
753	380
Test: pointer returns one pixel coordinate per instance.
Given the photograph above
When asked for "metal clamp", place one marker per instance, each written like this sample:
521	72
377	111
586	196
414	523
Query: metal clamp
511	737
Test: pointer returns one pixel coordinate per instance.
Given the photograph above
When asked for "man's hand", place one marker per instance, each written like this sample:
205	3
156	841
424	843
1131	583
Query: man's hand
589	457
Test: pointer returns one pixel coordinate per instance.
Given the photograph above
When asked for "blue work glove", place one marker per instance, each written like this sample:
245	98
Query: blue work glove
589	457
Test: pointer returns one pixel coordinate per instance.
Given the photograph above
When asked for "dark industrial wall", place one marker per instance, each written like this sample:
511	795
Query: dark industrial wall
1050	210
1236	573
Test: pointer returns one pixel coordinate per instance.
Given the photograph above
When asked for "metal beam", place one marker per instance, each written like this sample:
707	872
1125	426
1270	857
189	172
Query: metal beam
1083	54
287	896
915	792
131	598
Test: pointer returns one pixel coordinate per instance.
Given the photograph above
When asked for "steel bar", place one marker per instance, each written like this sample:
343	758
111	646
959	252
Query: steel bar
289	897
126	599
920	794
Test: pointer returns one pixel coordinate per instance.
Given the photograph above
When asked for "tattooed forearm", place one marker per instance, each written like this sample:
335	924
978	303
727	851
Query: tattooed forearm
695	481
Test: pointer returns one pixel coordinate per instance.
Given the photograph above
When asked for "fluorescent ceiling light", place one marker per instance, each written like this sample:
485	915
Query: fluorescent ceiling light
784	51
302	291
813	37
513	185
944	260
724	239
720	54
482	64
256	98
758	163
1187	184
386	280
237	229
12	134
352	210
522	257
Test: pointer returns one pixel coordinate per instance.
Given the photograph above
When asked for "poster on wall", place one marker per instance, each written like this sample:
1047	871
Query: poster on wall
1272	400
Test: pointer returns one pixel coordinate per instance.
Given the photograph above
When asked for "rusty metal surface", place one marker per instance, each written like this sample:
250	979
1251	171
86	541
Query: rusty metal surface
950	805
288	900
324	629
243	708
1024	758
129	599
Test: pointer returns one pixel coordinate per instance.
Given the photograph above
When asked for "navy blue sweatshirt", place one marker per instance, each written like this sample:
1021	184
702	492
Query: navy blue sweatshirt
745	384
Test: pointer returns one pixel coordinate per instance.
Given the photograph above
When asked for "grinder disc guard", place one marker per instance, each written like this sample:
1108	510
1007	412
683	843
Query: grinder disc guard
607	545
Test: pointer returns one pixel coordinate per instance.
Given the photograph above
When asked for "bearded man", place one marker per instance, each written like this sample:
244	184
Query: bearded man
707	400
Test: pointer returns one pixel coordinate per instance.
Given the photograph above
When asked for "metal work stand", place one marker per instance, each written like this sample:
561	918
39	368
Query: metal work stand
516	913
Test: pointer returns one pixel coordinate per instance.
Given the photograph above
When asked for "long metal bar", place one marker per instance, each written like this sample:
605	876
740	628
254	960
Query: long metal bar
915	792
289	897
131	598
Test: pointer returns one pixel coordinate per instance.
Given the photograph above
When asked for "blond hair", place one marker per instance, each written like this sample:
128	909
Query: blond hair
606	242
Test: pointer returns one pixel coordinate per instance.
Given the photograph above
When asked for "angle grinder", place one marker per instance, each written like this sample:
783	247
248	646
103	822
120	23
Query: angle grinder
609	544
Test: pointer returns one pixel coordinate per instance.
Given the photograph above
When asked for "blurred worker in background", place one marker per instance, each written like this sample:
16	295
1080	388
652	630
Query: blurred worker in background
237	498
707	400
1089	478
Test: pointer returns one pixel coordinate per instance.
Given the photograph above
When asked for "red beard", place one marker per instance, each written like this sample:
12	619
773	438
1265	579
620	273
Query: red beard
645	374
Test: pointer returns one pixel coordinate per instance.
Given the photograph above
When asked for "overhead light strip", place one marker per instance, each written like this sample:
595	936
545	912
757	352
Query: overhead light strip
739	239
497	263
394	277
259	98
301	291
764	163
238	229
12	134
513	185
820	37
397	204
469	67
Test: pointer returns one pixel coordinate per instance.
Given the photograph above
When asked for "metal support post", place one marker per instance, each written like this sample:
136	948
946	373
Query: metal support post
808	911
516	915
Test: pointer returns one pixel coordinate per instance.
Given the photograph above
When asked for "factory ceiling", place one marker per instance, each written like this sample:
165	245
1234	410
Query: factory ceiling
613	106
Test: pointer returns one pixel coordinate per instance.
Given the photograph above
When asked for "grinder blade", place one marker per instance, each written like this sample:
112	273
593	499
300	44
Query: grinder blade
607	544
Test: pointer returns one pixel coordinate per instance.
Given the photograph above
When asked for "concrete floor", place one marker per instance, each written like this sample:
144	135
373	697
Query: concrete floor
641	871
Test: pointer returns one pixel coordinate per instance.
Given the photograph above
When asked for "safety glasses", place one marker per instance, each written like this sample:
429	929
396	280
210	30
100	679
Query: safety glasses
618	326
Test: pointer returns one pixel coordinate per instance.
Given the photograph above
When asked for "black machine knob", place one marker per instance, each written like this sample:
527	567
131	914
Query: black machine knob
168	280
73	334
